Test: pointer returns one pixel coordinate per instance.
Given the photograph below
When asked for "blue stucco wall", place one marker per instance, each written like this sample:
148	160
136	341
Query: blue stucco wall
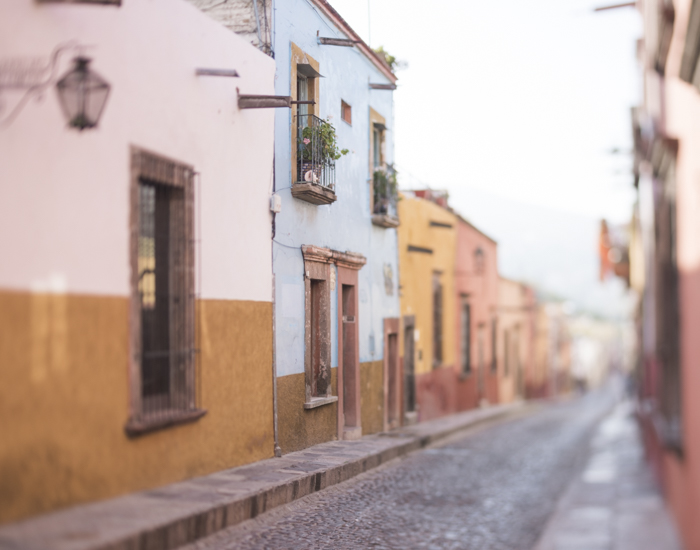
346	224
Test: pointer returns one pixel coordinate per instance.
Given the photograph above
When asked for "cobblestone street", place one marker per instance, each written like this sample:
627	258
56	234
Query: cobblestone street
492	487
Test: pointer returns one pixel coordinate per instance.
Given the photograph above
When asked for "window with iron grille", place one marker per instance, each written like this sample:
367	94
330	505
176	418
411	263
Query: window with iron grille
466	338
506	352
163	294
437	320
668	324
494	344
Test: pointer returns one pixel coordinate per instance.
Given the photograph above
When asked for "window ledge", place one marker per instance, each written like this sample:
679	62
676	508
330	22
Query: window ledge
163	420
465	375
320	401
313	193
385	220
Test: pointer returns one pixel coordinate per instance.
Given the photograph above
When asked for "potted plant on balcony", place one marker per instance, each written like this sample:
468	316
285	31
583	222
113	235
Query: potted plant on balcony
318	151
385	190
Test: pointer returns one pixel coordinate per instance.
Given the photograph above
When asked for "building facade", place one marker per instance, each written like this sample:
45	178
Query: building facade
516	323
135	288
665	262
477	323
427	244
335	256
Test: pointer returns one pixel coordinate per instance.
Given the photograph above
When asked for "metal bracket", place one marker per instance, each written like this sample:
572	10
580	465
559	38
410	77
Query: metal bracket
264	101
347	42
382	86
216	72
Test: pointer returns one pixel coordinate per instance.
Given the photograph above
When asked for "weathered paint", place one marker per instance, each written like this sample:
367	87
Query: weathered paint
64	398
372	381
435	386
64	238
344	225
299	428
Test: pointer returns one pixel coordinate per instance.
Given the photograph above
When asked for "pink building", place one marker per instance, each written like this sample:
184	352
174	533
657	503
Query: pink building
665	252
476	294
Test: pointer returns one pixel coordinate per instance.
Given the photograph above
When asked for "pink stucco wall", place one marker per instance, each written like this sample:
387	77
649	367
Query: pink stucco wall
481	292
64	201
681	476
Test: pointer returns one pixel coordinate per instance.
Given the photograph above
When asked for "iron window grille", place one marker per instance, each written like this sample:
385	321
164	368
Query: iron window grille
494	345
437	321
315	163
466	339
163	294
385	191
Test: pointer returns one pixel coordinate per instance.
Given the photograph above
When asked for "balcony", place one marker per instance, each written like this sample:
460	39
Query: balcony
314	180
385	213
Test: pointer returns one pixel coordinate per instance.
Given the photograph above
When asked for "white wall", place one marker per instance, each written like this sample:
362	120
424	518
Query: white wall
64	194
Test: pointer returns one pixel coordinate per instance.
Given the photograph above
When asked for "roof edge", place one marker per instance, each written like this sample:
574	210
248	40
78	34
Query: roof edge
475	228
380	63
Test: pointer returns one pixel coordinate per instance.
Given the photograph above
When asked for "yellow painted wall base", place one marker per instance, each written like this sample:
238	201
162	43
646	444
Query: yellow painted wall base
299	428
64	401
372	397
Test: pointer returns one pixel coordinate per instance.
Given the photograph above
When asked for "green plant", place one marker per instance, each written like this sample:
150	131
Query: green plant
385	185
394	64
319	143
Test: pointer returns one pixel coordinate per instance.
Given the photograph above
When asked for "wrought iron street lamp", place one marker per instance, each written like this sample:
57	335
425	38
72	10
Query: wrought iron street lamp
82	94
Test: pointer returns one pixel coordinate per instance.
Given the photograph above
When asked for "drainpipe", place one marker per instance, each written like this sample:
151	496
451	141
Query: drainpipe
278	450
257	24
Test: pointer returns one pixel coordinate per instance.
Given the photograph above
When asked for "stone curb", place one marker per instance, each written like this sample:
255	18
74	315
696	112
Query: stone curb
182	513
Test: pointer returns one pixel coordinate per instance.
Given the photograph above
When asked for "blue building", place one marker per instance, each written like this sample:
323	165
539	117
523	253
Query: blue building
334	251
335	256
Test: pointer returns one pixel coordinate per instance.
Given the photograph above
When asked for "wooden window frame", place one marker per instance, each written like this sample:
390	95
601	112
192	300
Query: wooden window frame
160	170
346	109
392	418
300	57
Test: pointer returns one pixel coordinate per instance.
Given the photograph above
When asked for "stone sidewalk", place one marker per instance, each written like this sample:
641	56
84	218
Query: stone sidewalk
615	504
177	514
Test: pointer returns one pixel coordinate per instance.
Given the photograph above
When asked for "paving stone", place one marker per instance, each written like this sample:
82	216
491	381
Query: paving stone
170	516
619	485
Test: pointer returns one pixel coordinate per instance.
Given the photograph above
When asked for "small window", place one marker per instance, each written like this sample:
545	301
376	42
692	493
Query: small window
346	112
377	143
466	338
494	341
506	352
437	320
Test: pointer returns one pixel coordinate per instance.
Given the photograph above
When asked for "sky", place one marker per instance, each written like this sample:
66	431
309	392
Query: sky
514	106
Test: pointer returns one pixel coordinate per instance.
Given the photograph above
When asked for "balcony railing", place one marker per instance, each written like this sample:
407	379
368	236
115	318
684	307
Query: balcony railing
385	211
314	163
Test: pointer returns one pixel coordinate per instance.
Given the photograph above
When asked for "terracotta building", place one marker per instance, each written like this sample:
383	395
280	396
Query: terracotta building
476	320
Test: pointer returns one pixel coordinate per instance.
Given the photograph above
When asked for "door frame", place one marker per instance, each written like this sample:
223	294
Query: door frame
392	326
348	277
409	321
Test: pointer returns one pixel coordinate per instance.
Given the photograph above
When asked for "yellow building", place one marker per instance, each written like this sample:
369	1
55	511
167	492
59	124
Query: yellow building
427	247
